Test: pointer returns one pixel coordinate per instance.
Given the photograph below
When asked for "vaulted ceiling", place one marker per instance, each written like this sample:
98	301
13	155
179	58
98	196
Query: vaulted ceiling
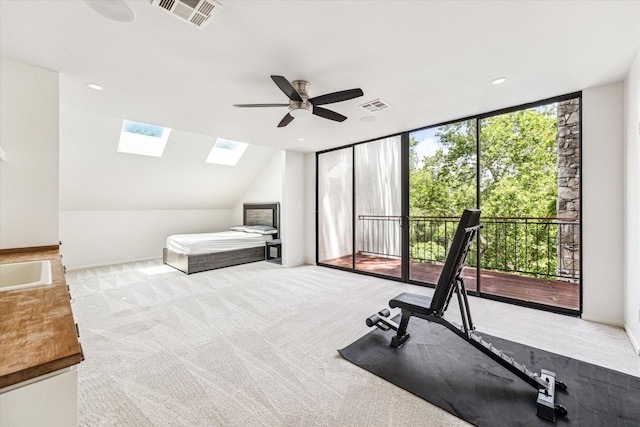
431	61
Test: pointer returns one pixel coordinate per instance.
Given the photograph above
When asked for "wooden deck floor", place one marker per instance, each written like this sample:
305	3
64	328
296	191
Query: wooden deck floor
548	292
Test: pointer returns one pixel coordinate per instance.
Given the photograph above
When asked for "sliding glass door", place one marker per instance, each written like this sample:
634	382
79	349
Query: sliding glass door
359	207
335	208
442	183
390	207
378	202
530	198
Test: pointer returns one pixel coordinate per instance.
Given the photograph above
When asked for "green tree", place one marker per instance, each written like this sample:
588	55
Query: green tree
517	176
444	184
518	172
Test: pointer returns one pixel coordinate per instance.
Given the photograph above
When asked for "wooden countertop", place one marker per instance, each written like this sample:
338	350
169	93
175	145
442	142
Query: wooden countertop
37	329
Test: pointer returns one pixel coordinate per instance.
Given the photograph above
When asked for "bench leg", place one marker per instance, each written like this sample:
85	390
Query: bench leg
402	334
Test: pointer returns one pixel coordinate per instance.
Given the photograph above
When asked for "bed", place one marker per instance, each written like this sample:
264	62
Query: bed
192	253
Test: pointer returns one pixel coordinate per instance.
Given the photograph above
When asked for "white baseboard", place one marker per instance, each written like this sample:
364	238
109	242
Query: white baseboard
634	343
105	264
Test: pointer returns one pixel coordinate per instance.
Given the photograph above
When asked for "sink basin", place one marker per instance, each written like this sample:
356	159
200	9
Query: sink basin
22	275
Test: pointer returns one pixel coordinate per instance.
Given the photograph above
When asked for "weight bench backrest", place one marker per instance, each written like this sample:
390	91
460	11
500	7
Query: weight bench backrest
455	260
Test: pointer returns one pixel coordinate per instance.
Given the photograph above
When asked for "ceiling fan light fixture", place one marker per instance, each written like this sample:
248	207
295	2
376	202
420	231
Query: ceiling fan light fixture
300	112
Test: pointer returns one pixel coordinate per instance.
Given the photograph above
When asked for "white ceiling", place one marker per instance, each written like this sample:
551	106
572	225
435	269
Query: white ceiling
432	61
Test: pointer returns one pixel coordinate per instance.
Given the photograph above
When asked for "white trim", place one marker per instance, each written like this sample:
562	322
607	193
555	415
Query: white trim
634	343
105	264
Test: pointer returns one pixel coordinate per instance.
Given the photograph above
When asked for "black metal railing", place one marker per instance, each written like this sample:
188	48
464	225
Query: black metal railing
536	247
380	235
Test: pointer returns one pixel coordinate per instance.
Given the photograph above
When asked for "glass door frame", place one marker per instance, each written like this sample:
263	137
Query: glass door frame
404	209
405	203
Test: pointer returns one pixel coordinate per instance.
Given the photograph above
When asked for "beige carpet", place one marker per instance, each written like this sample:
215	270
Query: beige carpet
255	345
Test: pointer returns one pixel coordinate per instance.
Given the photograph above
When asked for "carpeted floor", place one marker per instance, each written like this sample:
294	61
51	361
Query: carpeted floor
255	345
447	371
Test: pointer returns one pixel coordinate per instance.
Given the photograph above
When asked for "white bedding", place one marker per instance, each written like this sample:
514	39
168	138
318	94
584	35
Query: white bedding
206	243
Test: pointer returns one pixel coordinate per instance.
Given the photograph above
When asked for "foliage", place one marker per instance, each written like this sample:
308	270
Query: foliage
517	178
518	172
428	251
518	175
430	239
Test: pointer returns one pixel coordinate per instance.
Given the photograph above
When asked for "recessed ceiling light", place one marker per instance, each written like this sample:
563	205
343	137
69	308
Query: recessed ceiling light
115	10
95	86
368	119
300	139
498	81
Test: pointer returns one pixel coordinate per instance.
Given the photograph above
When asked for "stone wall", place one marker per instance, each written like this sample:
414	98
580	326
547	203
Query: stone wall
568	204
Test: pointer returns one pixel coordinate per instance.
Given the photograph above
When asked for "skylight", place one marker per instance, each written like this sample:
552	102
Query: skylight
226	152
143	139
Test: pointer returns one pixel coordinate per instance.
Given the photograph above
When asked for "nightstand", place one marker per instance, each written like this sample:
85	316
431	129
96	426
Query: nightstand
274	247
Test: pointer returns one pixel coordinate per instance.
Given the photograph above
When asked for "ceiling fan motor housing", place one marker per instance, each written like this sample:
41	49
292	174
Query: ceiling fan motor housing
304	108
300	105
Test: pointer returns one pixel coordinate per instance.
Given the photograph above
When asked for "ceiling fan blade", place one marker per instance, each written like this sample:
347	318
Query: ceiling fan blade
330	98
328	114
286	87
259	105
285	120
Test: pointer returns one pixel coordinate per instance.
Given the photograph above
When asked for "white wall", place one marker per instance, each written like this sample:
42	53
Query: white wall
293	184
117	207
29	131
310	208
282	179
265	188
603	204
632	203
93	238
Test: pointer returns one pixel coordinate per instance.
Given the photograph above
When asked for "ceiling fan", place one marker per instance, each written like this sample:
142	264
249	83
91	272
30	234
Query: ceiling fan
300	105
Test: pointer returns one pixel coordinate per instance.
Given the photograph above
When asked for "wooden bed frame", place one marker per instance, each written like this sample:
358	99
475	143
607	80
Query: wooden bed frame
253	214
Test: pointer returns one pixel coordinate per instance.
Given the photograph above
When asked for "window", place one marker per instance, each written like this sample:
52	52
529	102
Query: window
143	139
521	166
442	183
226	152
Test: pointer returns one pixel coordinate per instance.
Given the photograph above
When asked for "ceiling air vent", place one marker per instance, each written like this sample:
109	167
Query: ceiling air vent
195	12
375	105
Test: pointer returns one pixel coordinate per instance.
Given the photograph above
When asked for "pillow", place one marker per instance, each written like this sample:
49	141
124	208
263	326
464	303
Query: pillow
260	229
239	228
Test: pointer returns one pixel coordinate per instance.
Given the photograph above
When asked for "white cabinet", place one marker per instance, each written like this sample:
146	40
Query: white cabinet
50	400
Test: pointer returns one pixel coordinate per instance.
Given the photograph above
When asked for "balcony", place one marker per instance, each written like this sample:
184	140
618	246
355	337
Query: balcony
535	260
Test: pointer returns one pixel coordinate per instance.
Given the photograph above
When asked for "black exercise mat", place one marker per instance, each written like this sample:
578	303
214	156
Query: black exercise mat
440	367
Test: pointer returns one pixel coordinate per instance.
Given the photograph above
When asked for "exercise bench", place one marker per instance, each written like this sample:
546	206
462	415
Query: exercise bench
432	309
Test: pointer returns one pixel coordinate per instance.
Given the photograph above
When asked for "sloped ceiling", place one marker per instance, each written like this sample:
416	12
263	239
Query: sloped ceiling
94	176
432	61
